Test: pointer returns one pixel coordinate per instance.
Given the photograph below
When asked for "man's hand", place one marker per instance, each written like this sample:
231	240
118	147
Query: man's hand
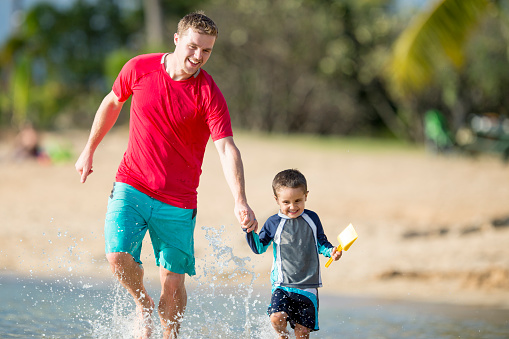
84	165
247	218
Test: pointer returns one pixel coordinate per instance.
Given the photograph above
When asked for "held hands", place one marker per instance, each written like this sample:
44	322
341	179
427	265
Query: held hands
336	254
247	218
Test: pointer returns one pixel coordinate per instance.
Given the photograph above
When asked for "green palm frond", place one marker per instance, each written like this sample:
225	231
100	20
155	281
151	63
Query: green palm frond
441	32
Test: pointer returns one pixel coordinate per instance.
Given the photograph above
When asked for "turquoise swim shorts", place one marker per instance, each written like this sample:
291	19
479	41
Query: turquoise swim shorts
131	213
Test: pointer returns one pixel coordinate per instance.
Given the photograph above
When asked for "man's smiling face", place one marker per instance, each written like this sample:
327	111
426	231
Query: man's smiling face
192	50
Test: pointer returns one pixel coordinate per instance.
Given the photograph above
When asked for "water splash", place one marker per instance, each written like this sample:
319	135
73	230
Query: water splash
220	301
116	319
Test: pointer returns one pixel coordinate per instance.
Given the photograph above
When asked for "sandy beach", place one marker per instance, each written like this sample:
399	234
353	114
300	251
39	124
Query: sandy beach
431	228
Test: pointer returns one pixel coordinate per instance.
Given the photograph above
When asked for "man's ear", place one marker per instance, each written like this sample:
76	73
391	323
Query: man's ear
175	38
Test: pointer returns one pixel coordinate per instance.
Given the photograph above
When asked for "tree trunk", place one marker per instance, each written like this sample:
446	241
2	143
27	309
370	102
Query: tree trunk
154	26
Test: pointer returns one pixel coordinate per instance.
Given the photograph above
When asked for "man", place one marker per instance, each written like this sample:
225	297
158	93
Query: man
176	106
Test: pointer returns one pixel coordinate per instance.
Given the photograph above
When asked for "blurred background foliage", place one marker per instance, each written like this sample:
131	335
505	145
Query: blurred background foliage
328	67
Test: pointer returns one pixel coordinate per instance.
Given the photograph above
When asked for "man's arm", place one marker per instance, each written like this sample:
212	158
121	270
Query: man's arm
233	169
104	120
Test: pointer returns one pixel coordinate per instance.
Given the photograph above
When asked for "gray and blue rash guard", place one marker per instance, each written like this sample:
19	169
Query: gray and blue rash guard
296	246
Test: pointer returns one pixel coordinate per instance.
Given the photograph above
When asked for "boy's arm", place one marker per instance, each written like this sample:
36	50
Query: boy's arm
324	246
260	243
253	240
327	249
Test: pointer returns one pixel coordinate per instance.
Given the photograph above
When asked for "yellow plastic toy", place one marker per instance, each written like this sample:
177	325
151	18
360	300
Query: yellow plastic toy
346	239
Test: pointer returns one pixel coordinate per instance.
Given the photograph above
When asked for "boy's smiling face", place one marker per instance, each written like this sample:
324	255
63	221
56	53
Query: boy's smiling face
291	201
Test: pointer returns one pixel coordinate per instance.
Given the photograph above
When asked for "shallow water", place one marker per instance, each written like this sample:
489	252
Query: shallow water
38	308
79	307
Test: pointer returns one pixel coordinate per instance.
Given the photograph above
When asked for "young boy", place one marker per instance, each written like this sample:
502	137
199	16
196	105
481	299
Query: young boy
298	238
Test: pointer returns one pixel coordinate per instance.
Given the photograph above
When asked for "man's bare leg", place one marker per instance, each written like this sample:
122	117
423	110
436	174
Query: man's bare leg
279	323
130	275
172	303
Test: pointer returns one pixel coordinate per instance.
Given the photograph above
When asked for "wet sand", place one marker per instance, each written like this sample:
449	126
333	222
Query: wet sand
430	228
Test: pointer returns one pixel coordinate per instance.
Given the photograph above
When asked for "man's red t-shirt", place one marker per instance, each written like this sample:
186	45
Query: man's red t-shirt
170	124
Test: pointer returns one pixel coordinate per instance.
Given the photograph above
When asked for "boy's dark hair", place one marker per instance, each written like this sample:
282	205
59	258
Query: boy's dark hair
290	178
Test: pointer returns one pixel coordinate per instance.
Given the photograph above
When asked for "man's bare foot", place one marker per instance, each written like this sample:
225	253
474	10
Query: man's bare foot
144	311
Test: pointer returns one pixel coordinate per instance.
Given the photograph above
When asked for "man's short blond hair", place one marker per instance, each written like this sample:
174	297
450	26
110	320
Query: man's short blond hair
199	22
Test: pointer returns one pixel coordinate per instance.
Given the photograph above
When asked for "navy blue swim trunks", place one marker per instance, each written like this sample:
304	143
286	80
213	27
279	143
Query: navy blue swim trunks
301	306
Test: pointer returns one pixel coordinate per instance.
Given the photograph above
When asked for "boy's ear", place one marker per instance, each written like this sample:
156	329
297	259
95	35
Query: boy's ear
275	198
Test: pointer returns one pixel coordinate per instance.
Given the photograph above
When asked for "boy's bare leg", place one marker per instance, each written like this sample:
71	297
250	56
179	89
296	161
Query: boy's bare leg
279	323
301	332
130	275
172	303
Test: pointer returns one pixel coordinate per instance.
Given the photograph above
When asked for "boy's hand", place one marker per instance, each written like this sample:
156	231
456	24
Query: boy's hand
247	219
336	254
